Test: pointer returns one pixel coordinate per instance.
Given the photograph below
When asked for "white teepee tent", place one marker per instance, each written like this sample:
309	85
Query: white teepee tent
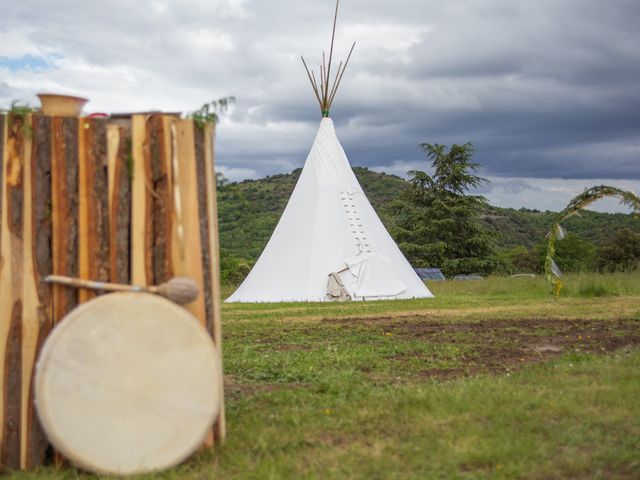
329	236
329	226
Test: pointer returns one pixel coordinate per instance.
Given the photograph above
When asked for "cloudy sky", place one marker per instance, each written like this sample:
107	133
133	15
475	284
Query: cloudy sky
547	90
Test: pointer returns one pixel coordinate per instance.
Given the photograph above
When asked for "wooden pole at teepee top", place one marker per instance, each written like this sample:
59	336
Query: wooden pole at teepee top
326	91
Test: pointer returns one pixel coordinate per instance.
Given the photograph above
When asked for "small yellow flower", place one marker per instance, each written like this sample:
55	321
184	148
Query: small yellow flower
327	411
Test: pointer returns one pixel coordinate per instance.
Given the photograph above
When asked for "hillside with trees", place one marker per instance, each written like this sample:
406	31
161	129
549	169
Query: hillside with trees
249	211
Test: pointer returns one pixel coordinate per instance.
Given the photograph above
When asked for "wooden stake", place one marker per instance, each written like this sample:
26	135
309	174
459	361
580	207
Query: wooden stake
220	428
17	149
39	249
186	244
10	290
141	227
120	173
64	211
30	303
93	204
159	185
64	216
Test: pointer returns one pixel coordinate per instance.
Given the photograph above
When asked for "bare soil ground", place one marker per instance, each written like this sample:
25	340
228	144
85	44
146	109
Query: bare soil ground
482	347
504	345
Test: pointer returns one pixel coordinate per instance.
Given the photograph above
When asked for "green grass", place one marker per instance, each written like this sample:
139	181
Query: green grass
571	418
451	387
494	297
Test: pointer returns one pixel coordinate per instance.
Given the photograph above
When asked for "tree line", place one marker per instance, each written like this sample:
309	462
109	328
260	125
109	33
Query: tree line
436	223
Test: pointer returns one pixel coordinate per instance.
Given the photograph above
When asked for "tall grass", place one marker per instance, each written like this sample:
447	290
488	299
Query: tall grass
582	285
585	295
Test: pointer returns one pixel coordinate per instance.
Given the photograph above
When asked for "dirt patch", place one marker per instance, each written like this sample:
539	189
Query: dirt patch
234	389
500	346
290	347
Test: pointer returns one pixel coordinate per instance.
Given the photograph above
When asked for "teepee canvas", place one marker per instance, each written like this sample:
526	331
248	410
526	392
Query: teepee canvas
327	227
329	243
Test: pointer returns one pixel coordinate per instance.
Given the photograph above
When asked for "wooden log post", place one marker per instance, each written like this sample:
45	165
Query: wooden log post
207	198
25	300
11	263
65	216
93	205
38	295
160	186
64	212
141	204
120	165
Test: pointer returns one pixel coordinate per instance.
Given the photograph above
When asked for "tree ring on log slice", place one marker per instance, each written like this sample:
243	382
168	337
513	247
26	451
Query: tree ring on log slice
128	383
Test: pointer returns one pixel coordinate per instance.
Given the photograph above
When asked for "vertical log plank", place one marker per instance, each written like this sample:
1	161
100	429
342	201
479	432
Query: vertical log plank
93	204
160	200
83	224
16	149
141	220
31	307
64	200
12	390
220	428
120	173
5	280
65	216
186	249
203	217
186	255
38	255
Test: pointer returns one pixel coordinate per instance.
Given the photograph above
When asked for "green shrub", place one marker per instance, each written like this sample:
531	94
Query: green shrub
621	253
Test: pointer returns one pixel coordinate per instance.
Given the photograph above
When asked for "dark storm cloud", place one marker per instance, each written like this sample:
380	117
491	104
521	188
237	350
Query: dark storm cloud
544	89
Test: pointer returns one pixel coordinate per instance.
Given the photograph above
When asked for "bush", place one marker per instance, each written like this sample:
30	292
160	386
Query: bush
573	254
232	270
621	254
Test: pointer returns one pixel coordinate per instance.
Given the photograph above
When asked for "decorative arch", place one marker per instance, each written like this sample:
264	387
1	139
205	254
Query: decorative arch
586	198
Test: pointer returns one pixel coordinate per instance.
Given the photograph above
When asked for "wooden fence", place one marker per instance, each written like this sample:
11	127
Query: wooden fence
130	200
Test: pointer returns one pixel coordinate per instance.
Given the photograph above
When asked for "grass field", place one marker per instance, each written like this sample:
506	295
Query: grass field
491	379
